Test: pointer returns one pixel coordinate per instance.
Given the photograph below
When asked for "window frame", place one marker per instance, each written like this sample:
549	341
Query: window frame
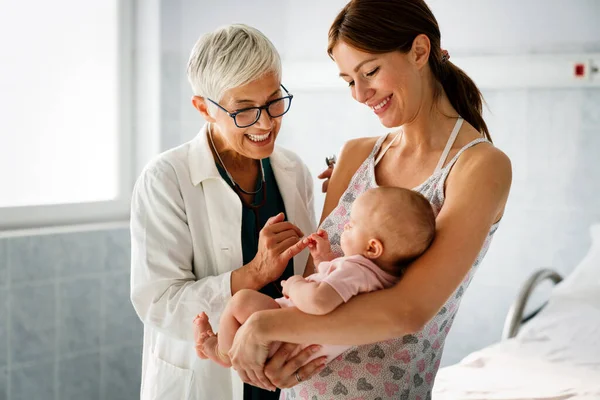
48	215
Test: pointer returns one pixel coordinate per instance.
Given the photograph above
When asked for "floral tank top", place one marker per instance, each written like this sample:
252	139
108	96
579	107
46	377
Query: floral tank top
402	368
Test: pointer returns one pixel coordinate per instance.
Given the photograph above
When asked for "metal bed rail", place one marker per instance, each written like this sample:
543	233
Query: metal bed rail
515	318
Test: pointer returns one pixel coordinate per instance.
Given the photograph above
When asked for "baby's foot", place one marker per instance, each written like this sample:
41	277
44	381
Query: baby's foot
207	343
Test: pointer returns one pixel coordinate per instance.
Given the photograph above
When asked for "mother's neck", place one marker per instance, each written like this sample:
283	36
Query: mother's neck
432	124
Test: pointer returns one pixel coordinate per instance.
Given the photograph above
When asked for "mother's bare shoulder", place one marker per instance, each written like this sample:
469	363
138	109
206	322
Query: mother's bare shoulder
353	154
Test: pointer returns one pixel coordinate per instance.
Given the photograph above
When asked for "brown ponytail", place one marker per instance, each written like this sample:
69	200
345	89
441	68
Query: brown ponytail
383	26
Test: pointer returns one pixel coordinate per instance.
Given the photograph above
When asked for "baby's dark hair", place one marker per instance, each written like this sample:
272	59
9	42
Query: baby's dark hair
404	222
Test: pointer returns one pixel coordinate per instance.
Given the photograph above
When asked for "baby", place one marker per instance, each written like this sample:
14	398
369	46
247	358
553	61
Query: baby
388	228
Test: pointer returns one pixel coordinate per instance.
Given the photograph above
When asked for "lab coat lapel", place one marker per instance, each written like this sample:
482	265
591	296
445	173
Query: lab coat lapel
224	210
223	207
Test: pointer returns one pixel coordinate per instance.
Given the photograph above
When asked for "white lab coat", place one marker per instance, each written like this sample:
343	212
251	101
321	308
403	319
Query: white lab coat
185	241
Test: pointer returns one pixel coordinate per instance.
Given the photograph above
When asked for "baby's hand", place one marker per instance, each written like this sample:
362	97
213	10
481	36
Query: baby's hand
319	247
287	284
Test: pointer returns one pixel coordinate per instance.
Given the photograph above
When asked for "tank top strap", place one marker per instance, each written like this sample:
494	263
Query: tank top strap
462	150
435	191
378	145
450	164
449	145
380	142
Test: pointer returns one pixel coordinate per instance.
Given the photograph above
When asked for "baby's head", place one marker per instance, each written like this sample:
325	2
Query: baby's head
391	226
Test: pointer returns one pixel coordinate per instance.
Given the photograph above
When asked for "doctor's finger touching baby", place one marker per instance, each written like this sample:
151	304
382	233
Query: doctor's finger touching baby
276	246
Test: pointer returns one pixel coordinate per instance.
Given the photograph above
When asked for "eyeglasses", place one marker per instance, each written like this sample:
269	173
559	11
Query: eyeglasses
249	116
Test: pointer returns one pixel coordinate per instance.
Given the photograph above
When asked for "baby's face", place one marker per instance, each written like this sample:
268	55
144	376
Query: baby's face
354	239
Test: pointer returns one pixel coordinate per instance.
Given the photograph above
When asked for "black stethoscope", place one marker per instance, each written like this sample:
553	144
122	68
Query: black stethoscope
240	191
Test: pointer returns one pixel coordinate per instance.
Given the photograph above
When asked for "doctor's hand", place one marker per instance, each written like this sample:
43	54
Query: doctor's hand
249	353
278	242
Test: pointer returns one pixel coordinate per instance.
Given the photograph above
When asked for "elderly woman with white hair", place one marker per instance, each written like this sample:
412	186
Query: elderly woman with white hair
216	215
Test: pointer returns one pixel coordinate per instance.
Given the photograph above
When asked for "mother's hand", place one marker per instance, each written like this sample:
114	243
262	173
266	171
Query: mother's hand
326	175
285	373
330	161
249	353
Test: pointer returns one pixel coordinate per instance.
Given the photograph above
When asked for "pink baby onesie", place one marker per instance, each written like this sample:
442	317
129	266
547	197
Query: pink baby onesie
348	276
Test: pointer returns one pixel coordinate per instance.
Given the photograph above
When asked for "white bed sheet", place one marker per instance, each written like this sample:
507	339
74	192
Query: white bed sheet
556	355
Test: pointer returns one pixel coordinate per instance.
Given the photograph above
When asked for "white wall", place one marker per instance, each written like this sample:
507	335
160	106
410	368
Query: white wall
475	27
552	136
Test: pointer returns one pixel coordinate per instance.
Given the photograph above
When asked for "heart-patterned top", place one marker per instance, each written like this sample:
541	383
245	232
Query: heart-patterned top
401	368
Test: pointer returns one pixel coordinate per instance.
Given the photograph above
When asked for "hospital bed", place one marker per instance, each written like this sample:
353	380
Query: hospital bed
551	354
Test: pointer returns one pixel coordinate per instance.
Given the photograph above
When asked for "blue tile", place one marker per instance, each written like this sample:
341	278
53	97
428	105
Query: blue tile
33	258
3	264
122	370
121	323
32	321
79	378
3	384
33	382
79	320
3	328
83	252
118	250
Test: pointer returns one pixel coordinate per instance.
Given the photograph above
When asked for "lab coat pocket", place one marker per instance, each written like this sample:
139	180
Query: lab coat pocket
166	381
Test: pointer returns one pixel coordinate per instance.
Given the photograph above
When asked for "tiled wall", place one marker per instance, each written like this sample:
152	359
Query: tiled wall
68	329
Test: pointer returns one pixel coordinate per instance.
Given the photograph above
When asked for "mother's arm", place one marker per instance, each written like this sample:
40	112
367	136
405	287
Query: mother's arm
476	193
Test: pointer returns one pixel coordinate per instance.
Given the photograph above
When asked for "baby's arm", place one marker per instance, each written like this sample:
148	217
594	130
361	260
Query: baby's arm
317	298
319	247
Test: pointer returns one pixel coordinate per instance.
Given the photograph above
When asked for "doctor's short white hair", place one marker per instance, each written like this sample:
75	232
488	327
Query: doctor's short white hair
229	57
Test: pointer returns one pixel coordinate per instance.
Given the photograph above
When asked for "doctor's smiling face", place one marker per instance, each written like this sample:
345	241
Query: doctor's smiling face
257	140
235	75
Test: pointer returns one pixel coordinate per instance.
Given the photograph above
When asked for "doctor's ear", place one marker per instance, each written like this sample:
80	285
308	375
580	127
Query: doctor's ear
201	105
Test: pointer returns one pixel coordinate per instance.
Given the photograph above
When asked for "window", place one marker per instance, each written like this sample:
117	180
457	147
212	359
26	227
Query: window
65	100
